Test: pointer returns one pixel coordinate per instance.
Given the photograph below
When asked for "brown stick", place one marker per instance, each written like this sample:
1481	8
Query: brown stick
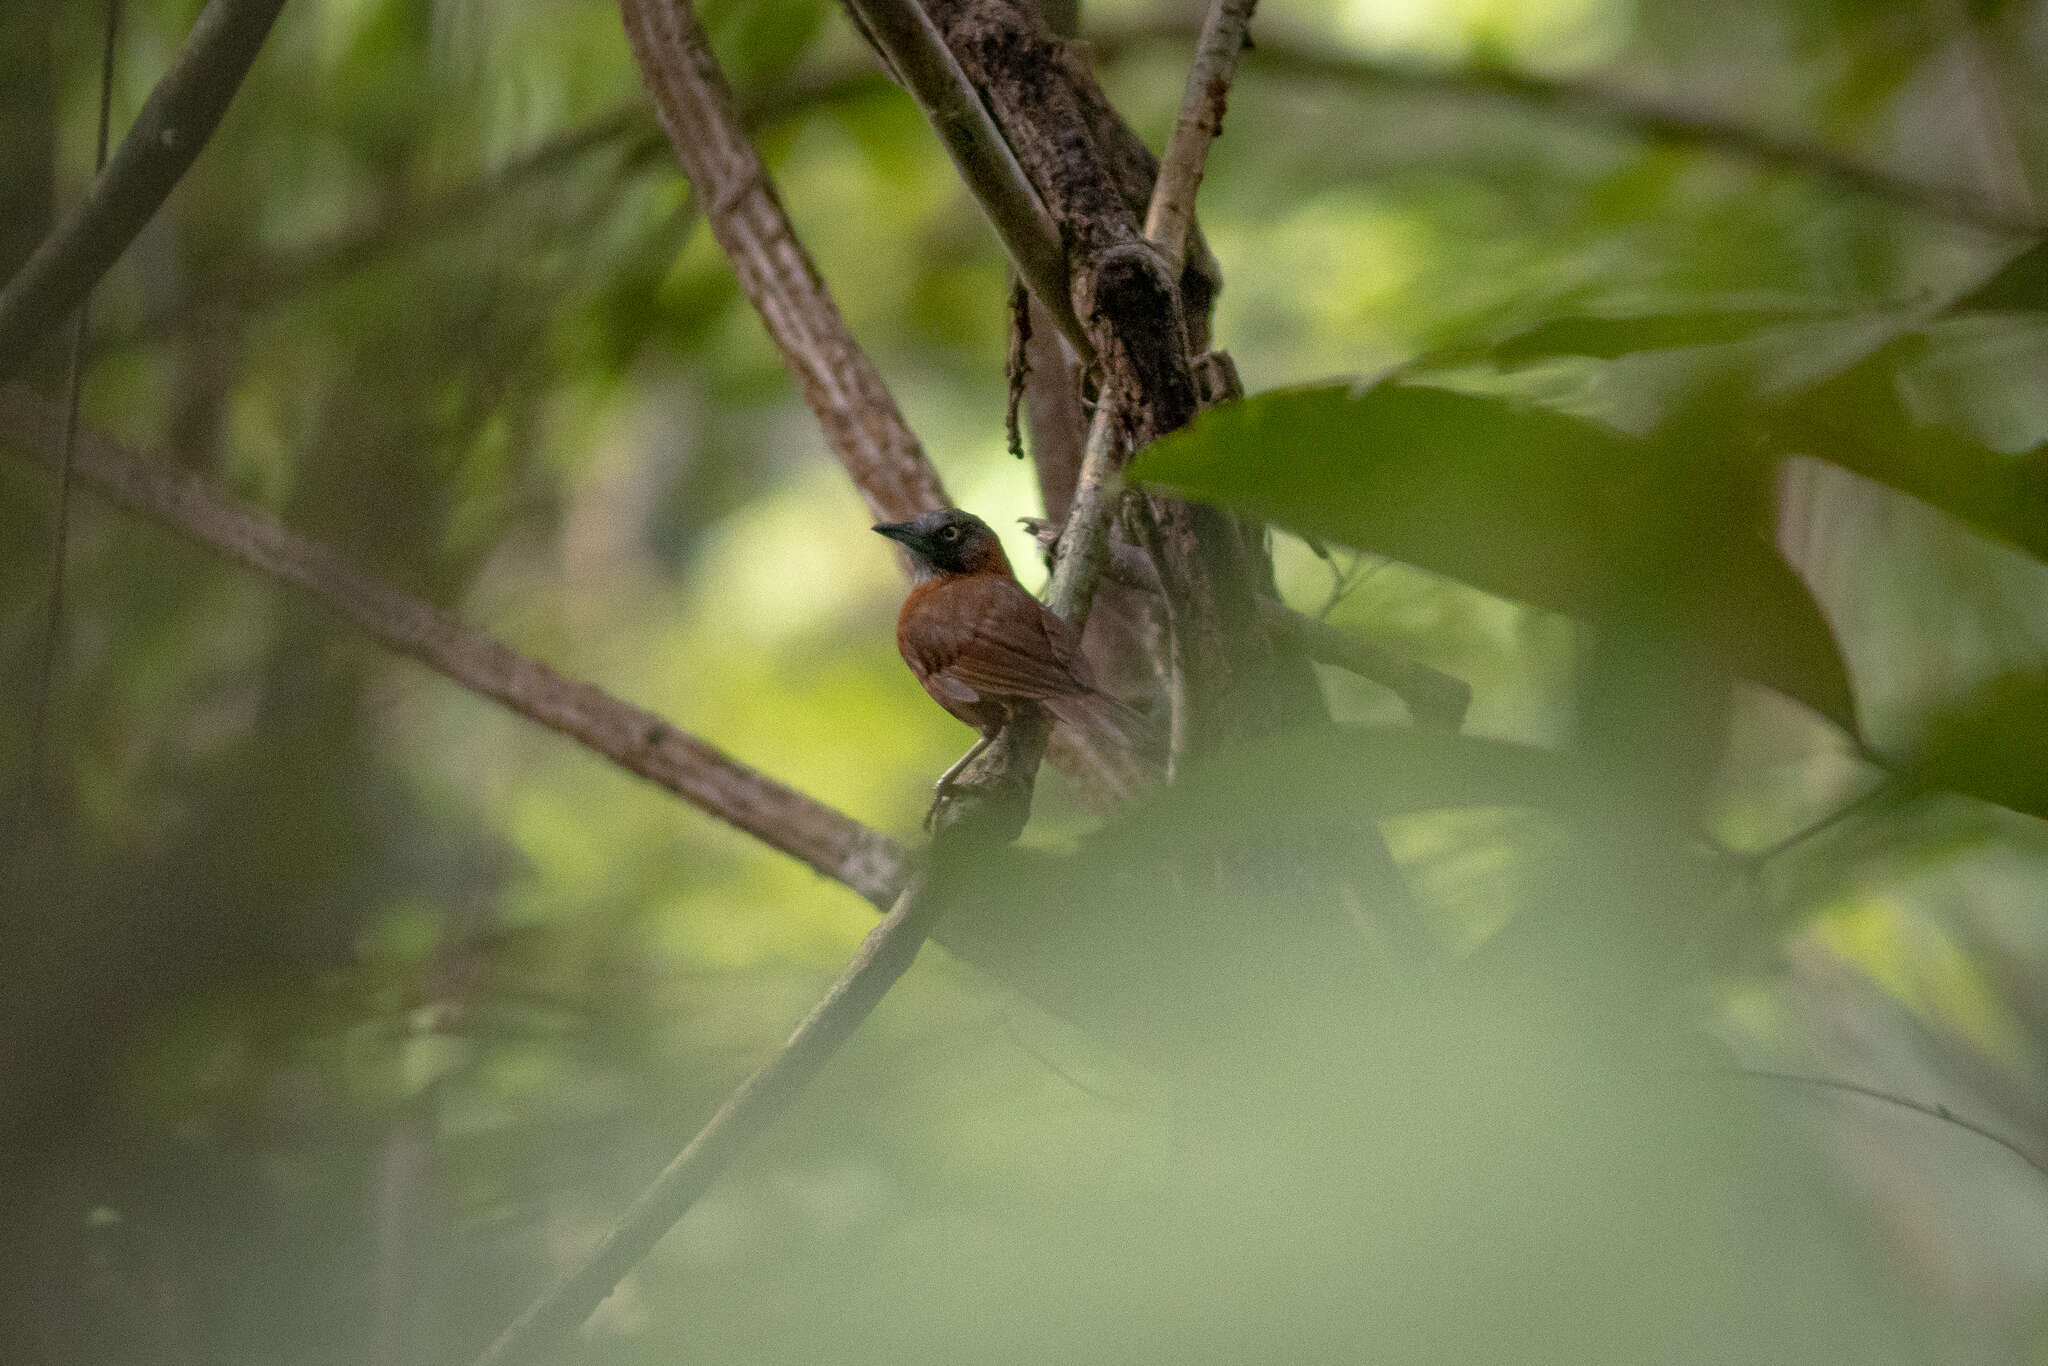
826	840
175	122
861	421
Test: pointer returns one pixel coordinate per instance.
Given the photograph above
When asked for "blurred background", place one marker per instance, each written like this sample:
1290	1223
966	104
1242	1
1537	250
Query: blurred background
344	1010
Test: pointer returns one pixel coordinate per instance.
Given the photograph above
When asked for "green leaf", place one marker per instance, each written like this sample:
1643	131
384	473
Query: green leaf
1916	399
1861	421
1993	744
1520	501
1607	335
2021	283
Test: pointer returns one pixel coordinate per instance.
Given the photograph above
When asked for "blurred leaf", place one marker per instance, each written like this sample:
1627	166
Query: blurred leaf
1993	745
1523	502
2021	283
1607	335
1860	420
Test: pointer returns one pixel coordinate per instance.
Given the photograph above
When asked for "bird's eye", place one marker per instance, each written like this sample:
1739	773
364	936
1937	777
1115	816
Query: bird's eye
951	533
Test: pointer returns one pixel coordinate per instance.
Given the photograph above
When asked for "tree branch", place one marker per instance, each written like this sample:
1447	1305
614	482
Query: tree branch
1126	293
854	408
905	35
1084	544
825	840
1592	102
884	956
860	419
176	121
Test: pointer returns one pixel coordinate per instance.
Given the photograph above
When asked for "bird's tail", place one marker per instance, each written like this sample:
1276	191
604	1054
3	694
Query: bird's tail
1122	747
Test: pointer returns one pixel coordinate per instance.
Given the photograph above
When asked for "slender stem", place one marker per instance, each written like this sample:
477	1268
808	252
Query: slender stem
74	378
1199	124
1431	696
826	840
911	43
1933	1110
1084	545
1891	788
167	135
884	956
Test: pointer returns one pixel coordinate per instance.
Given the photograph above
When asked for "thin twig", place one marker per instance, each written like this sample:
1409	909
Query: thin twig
174	123
74	376
1932	1109
884	956
1890	788
861	421
639	741
905	35
1200	123
1431	696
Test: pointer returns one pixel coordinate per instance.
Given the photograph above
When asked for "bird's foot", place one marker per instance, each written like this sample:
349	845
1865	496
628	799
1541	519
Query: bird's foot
942	793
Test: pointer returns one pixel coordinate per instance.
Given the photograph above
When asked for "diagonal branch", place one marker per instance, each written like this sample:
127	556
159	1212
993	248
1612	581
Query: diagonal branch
829	842
861	421
175	122
883	957
906	36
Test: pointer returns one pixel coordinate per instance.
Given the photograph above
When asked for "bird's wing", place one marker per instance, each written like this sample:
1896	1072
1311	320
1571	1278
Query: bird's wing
992	640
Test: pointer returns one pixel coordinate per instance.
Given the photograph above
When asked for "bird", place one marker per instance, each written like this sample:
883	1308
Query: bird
985	649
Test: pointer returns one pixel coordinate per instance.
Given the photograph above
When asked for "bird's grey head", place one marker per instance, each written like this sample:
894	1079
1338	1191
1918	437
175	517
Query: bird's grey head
949	541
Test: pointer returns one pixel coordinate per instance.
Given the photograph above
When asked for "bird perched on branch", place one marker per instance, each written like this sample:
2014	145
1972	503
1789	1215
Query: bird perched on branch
985	649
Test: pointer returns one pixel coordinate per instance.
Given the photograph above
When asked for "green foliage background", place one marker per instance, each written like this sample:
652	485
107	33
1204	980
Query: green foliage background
334	992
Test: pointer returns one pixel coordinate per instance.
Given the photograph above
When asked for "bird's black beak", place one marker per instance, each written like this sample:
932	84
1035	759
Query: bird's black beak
905	532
